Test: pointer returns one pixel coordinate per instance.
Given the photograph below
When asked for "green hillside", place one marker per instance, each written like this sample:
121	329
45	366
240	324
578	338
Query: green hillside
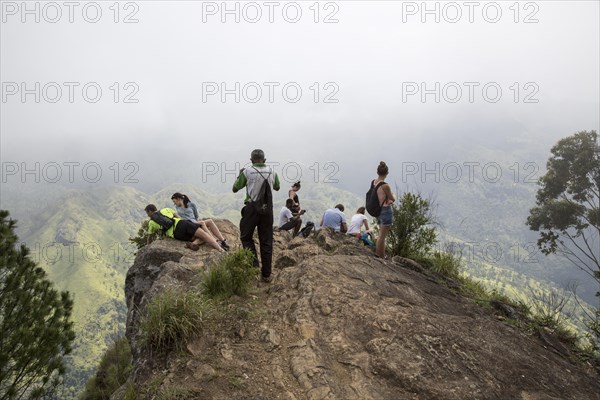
81	241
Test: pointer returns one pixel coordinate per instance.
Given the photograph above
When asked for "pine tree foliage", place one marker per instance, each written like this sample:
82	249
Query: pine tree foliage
35	327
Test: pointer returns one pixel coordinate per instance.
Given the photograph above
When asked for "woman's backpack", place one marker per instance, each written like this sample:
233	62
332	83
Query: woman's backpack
372	203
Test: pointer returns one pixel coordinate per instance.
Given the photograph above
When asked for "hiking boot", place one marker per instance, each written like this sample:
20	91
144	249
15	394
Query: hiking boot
192	246
266	279
223	244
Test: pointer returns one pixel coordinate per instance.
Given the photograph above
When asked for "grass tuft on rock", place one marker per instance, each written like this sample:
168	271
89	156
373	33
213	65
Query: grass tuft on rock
172	317
232	275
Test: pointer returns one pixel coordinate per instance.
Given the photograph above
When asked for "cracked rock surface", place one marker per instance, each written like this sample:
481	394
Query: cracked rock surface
338	323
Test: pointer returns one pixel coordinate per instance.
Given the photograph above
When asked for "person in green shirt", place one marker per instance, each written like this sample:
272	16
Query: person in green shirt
252	179
181	229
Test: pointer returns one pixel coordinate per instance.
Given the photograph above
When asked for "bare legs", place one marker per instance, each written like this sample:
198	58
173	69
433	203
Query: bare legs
380	246
203	236
209	226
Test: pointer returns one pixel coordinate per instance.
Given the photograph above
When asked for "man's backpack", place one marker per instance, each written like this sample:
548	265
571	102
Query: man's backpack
372	203
165	222
264	202
307	229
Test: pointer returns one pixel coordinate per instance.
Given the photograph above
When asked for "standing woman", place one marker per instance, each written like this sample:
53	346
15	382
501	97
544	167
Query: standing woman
386	199
294	196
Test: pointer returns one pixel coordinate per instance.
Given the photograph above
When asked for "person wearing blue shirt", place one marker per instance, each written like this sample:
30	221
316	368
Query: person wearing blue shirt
335	218
184	207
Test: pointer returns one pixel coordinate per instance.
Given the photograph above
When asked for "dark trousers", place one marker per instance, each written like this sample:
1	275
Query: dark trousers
251	220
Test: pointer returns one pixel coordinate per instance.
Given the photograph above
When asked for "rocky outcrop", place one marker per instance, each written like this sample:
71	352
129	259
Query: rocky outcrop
165	263
338	323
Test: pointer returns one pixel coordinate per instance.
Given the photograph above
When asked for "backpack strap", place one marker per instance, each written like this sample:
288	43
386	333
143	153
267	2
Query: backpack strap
164	230
380	184
254	168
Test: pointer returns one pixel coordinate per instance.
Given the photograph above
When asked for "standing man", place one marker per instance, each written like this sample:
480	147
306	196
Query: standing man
254	212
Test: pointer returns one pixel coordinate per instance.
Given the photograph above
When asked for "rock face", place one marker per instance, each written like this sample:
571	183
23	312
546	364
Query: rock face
165	263
337	323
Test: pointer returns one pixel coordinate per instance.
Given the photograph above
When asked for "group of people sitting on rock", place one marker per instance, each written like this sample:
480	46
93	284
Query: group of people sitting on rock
290	215
186	225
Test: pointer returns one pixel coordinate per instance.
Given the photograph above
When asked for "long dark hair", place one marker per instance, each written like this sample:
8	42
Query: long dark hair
186	200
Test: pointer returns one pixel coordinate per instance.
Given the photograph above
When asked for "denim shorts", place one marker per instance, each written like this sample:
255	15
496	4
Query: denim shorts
385	217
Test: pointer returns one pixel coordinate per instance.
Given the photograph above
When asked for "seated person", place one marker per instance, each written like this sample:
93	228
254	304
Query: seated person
356	222
181	229
335	218
188	211
184	207
288	219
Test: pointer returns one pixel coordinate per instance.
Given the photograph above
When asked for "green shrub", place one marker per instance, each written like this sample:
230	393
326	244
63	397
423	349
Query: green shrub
113	371
231	276
142	235
171	318
412	234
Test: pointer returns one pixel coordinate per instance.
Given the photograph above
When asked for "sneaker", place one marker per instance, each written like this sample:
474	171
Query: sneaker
223	244
266	279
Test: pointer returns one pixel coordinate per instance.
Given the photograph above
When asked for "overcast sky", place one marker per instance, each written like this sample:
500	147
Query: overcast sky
368	64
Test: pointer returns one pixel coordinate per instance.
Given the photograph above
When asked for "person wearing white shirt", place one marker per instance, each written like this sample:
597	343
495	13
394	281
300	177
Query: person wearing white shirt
357	221
289	220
